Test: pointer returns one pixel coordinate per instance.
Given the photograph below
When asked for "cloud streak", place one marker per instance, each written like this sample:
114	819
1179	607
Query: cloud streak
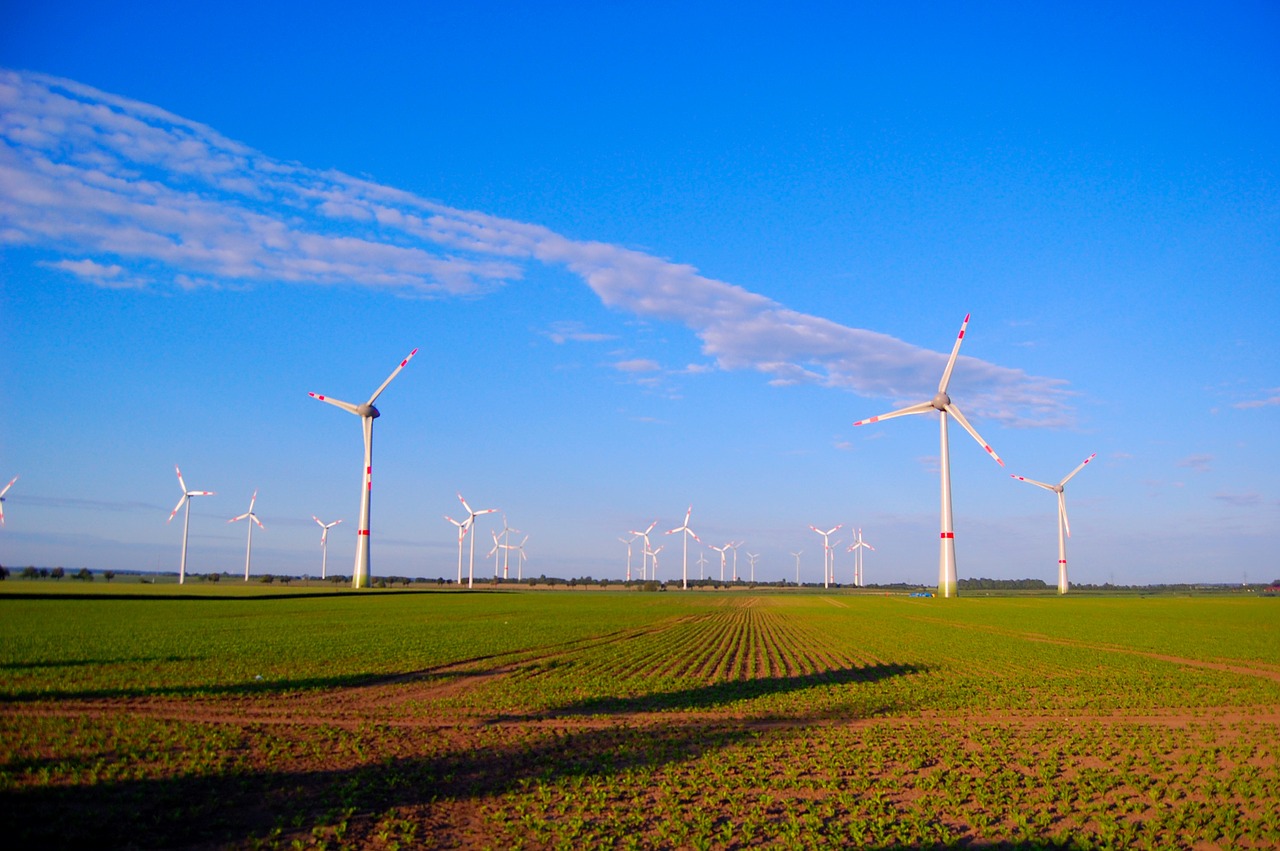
131	196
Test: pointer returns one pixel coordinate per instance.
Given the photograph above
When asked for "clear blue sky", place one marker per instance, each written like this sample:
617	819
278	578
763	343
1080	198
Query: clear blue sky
651	256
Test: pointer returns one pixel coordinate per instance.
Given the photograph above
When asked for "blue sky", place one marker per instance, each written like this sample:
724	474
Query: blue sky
650	256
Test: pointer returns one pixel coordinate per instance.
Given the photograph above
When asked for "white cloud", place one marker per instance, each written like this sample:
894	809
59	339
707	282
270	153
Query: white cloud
123	184
1273	399
1199	463
637	365
1240	500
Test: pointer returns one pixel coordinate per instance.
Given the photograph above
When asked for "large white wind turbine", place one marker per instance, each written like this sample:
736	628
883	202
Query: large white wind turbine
645	551
521	557
470	523
324	542
252	518
856	548
367	414
185	499
653	555
684	527
826	552
2	493
941	403
1064	528
462	533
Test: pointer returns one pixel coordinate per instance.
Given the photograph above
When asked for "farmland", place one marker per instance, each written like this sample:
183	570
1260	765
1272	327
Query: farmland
237	718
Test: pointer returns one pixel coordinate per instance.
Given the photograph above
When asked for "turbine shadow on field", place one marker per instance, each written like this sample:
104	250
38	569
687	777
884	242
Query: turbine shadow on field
241	689
718	695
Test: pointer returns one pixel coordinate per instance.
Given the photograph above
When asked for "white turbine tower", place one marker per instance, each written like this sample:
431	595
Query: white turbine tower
734	547
702	563
1064	528
856	548
752	558
684	527
185	499
797	557
367	414
826	552
721	550
941	403
497	545
2	493
629	542
520	558
653	554
470	523
506	547
324	543
645	551
252	518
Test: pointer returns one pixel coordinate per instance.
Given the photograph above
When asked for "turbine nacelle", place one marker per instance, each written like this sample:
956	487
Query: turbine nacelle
368	411
940	401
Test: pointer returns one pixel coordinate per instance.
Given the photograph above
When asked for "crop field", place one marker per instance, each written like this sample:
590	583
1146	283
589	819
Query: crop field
144	717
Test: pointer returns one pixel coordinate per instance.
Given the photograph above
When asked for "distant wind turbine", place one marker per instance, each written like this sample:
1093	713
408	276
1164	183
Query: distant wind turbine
941	403
506	547
629	542
2	493
653	554
734	547
856	548
645	551
367	414
752	558
462	533
722	550
702	563
185	499
252	518
797	556
1064	527
324	543
521	557
470	522
826	552
684	528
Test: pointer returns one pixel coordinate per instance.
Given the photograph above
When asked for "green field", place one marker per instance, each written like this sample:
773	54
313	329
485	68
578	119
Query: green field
247	717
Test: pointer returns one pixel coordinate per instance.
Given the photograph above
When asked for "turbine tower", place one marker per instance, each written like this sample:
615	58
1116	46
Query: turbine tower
702	564
941	403
734	547
252	518
721	550
684	527
752	558
324	543
462	533
367	414
185	499
2	493
826	552
797	556
629	542
1064	528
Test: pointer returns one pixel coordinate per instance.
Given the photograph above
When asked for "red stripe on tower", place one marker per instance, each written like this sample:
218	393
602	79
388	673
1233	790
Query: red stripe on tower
363	532
948	534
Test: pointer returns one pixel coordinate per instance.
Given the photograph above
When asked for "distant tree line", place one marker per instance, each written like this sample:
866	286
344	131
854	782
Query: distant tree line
985	584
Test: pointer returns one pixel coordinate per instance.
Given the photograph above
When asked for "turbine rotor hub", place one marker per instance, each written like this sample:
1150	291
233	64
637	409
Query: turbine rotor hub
940	401
368	411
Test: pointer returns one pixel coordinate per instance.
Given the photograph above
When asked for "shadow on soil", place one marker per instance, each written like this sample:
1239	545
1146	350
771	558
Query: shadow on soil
276	779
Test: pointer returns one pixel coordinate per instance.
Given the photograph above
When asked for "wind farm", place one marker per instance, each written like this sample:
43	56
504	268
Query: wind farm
639	256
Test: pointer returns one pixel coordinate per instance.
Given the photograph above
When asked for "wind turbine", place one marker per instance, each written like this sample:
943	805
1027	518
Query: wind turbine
734	547
1064	528
506	547
252	518
497	545
644	553
856	548
185	499
797	555
2	493
702	562
653	554
521	557
470	523
721	551
684	527
629	542
941	403
367	414
462	533
752	558
826	552
324	542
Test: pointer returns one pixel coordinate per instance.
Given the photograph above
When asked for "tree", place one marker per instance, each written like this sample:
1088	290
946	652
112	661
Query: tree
108	575
57	573
4	572
29	572
84	575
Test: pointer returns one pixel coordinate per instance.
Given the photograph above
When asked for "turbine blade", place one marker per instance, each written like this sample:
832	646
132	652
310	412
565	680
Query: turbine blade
181	500
241	517
253	499
1062	509
317	519
464	504
11	481
1032	482
255	519
1060	484
346	406
951	362
393	374
922	408
181	483
955	412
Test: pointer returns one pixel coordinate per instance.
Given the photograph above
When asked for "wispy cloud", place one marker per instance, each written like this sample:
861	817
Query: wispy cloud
126	186
1199	463
637	365
1240	500
1273	399
568	331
